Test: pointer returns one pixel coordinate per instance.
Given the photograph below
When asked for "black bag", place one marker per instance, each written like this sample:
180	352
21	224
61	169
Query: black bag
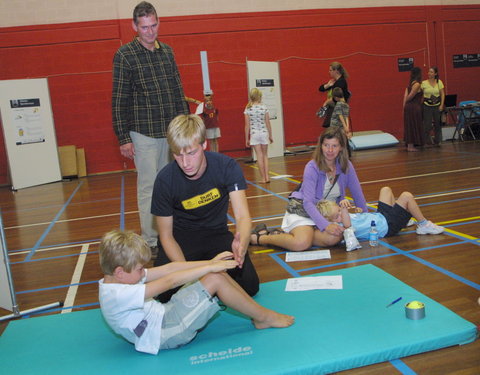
322	111
295	206
432	100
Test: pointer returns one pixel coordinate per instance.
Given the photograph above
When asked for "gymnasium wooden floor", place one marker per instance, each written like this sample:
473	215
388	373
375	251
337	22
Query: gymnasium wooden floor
52	234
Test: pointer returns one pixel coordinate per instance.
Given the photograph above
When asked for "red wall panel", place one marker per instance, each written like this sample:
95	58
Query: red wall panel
77	59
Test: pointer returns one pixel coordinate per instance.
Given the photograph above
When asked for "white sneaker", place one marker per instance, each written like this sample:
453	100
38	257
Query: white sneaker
429	228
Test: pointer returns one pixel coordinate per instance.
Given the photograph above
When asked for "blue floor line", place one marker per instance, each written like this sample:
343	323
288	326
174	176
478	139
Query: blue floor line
420	161
57	205
56	287
447	191
433	266
402	367
375	257
284	265
56	245
267	191
449	201
436	203
397	251
57	257
52	223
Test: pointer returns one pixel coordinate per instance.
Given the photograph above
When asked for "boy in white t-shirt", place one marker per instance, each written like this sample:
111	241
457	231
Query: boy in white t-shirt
126	295
391	216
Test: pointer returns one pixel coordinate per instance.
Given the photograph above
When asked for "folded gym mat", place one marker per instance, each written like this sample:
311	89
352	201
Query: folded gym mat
334	330
374	140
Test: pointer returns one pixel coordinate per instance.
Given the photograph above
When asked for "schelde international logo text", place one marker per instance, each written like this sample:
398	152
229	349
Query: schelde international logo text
229	353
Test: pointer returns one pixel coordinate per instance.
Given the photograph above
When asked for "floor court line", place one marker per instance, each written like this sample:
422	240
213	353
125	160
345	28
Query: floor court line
420	175
402	367
270	193
266	190
71	220
393	178
277	174
54	247
53	258
396	250
45	233
251	197
434	266
56	287
77	274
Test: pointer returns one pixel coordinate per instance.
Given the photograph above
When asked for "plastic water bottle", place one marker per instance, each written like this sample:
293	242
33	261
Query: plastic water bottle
373	235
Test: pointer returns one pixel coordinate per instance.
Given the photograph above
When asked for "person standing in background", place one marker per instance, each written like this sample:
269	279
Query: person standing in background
147	94
209	114
258	131
433	105
338	78
412	111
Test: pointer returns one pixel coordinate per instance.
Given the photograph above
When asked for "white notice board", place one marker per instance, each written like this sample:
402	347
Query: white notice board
266	77
29	133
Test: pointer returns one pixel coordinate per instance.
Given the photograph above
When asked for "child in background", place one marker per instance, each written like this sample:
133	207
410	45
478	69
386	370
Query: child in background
391	216
258	131
126	295
209	115
341	115
341	112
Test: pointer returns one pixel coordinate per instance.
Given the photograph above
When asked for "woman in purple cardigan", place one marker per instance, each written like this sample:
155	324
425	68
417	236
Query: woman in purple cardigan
326	176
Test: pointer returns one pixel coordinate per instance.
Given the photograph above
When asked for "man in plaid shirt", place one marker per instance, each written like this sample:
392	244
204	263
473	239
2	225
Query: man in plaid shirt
147	95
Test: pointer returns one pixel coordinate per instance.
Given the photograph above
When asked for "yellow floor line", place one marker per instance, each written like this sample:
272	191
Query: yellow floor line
276	174
461	234
459	220
263	251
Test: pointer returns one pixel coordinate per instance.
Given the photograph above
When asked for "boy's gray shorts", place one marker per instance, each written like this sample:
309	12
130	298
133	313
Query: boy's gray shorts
188	311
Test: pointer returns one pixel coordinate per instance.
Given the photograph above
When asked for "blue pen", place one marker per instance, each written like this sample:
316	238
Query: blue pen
391	303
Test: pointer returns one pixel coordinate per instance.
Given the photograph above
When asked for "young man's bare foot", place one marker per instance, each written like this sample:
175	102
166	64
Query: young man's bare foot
274	320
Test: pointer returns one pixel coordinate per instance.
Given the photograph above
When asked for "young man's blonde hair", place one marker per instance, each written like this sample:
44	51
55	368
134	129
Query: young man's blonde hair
122	248
185	130
326	208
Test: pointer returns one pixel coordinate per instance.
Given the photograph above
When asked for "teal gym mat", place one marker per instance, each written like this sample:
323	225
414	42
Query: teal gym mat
334	330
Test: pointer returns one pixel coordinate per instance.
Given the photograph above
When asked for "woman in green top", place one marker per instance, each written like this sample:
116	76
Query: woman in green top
433	105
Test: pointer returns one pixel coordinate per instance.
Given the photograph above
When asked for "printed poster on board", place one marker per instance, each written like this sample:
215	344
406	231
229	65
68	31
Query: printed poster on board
267	87
27	121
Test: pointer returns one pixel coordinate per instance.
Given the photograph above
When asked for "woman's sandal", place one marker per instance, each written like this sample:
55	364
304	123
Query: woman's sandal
276	231
258	231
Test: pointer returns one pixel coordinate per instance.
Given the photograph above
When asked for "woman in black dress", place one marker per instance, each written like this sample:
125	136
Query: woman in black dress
412	111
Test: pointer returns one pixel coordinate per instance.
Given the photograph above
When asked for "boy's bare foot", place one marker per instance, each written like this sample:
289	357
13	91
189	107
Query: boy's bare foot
274	320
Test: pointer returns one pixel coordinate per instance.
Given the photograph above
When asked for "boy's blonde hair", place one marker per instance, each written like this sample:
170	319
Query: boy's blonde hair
255	96
326	208
124	249
184	130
